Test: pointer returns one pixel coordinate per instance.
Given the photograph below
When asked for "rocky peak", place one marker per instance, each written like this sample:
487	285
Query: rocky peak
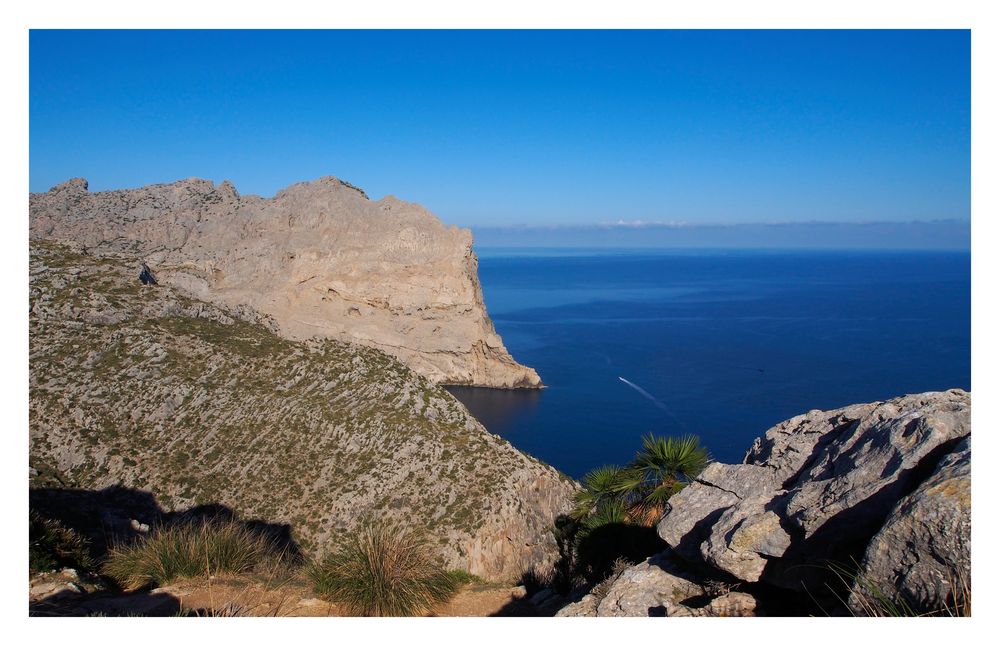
75	185
319	257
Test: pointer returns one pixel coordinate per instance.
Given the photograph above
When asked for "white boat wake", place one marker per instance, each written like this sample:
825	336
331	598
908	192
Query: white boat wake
645	394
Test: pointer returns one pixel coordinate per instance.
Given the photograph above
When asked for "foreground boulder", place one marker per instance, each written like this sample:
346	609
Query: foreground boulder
923	551
865	509
319	257
661	587
816	489
144	395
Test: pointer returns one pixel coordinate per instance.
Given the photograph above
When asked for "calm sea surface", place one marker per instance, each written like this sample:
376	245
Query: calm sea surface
722	344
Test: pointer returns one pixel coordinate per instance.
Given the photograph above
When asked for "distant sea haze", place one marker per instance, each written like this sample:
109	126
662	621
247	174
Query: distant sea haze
722	343
952	234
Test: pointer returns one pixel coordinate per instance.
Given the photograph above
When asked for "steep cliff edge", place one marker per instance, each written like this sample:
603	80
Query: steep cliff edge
319	257
151	390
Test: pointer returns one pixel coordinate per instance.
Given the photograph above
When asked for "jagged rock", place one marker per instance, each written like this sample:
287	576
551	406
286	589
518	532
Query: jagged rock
585	607
642	590
731	604
814	489
923	552
63	583
319	257
170	402
659	587
146	276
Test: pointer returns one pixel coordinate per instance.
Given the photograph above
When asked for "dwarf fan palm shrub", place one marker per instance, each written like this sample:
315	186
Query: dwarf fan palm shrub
600	485
383	570
660	469
615	510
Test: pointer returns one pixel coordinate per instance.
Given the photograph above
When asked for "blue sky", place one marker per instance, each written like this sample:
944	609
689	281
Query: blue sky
530	127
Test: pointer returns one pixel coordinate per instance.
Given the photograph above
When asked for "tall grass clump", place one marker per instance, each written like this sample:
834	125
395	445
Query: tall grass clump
189	550
866	598
383	570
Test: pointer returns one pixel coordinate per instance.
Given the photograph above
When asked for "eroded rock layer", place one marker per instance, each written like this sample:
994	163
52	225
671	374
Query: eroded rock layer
319	257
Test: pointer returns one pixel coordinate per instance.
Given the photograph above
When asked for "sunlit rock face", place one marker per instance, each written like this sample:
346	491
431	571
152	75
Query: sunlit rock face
319	257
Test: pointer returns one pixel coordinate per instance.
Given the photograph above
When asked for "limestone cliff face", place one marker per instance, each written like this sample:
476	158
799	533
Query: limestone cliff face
319	257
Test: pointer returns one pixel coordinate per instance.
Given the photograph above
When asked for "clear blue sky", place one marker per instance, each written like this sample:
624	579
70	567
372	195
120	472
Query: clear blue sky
535	127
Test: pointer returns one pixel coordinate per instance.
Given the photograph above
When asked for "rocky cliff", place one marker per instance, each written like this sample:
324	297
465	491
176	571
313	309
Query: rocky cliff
320	258
144	388
876	495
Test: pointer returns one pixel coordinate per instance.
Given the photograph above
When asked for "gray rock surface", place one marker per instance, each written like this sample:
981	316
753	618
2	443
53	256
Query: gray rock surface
817	488
319	258
659	587
923	550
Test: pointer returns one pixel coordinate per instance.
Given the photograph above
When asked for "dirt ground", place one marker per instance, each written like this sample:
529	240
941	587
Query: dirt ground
247	597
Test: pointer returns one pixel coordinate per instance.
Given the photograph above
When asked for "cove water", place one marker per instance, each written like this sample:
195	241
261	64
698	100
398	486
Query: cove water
721	344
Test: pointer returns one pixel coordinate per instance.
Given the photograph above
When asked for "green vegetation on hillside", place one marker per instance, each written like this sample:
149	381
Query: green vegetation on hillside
147	388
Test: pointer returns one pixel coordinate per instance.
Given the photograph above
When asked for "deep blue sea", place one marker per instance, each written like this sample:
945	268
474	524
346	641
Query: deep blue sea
722	344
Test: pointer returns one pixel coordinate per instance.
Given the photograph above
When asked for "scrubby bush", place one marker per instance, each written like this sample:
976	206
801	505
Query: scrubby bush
383	570
619	565
461	577
188	550
52	545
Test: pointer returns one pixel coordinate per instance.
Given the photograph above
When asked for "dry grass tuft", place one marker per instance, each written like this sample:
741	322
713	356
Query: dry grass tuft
383	570
191	550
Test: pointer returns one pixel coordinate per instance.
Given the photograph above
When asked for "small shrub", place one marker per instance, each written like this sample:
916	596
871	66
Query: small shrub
383	570
190	550
461	577
51	545
600	591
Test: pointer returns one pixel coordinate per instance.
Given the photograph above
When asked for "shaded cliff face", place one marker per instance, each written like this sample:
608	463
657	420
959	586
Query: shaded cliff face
320	258
147	388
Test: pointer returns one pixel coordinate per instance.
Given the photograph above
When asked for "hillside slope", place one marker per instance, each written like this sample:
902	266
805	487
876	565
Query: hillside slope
319	257
147	388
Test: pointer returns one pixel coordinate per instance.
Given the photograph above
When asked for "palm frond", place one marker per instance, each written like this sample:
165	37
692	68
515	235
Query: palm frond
607	512
604	479
679	458
600	484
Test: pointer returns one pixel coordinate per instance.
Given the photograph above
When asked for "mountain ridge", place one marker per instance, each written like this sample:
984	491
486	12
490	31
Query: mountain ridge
319	257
